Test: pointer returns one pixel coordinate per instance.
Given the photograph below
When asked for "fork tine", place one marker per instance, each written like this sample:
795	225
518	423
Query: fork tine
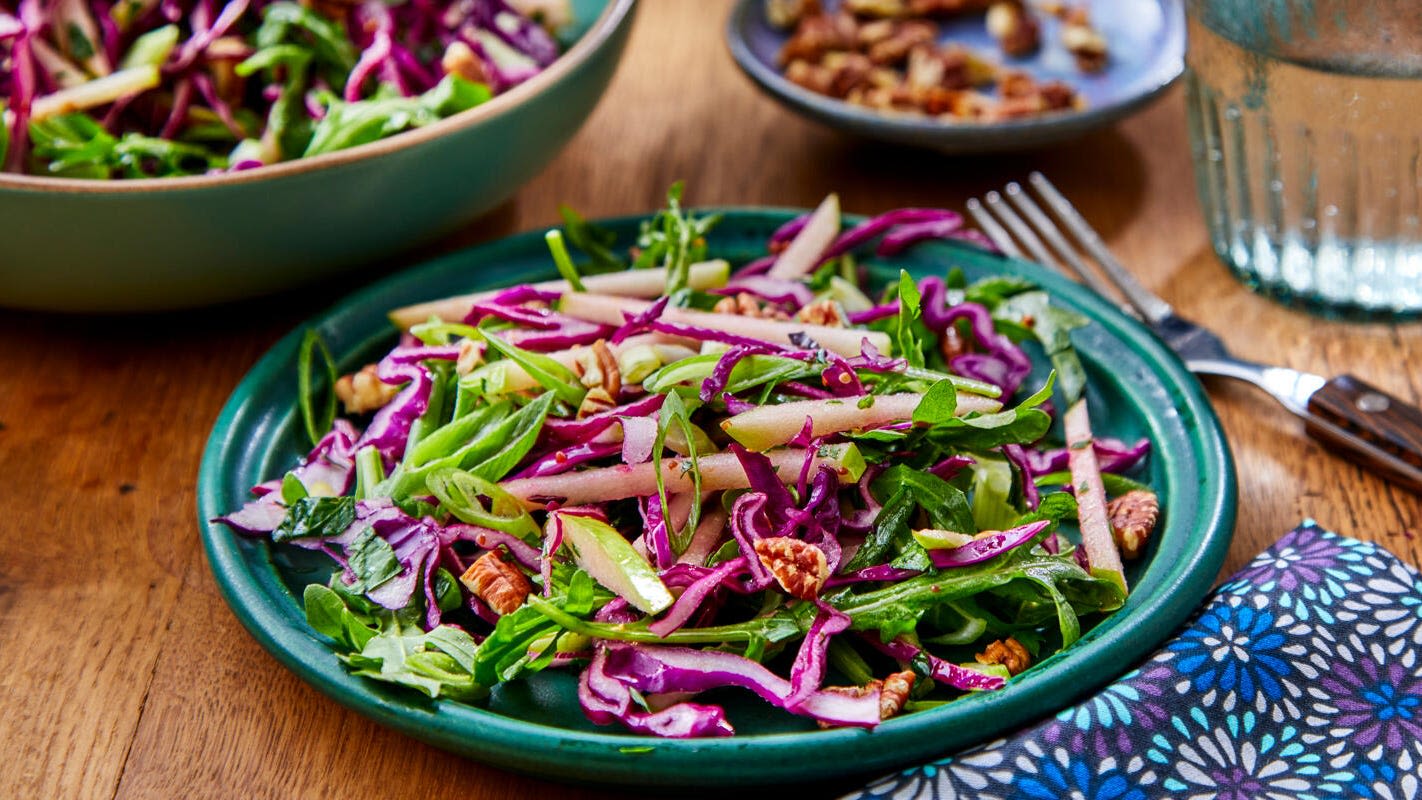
994	204
1065	252
1152	308
994	231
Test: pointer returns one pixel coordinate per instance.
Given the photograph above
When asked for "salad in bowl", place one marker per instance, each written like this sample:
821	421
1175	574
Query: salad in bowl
675	477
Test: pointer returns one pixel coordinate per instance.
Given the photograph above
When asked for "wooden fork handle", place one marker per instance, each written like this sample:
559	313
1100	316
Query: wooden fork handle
1384	433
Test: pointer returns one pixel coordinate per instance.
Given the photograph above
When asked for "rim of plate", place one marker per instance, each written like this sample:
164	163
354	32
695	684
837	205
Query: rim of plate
608	21
867	121
550	752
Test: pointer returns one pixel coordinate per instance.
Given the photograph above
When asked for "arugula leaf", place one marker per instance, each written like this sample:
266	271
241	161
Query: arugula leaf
675	238
437	663
316	516
373	561
518	643
906	338
1052	326
350	124
77	146
891	606
938	404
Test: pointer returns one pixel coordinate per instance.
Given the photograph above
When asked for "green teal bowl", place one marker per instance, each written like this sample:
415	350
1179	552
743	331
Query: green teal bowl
534	726
100	246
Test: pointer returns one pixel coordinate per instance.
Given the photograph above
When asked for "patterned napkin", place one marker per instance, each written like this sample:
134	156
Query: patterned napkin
1301	679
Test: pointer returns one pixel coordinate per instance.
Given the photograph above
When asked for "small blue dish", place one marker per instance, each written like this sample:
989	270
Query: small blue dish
1146	40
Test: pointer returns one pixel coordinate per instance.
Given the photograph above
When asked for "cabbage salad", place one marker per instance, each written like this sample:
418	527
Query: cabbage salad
164	88
670	475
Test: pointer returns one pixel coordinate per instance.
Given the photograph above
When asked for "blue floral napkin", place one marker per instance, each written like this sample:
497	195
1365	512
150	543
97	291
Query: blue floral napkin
1300	679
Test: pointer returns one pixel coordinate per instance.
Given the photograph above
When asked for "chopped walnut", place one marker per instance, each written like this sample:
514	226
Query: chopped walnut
471	355
1015	29
460	59
1084	42
599	369
894	693
906	36
1133	516
819	34
745	304
885	54
798	566
1008	652
824	312
596	401
951	344
363	392
501	585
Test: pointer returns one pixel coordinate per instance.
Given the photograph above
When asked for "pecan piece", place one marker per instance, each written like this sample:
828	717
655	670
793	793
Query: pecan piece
825	312
1133	516
1014	28
599	368
498	583
596	401
906	36
1008	652
819	34
362	392
460	59
745	304
1084	42
894	693
799	567
471	355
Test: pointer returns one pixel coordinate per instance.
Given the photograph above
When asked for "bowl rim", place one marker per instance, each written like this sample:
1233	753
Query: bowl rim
774	83
609	20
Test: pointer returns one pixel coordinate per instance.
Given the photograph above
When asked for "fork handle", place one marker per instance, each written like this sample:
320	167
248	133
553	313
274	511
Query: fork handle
1384	432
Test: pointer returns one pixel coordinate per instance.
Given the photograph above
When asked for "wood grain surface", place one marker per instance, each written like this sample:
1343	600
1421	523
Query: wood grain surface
123	674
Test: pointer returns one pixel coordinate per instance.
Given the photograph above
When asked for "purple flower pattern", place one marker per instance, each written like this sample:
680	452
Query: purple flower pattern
1300	678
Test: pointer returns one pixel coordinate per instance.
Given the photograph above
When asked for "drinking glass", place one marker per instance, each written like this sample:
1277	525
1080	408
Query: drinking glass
1306	132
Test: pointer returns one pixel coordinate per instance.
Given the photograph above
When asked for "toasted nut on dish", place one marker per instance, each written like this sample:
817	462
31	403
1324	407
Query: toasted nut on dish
799	567
498	583
824	312
1133	516
363	392
1086	44
894	693
1014	28
596	401
460	59
745	304
471	355
599	369
1008	652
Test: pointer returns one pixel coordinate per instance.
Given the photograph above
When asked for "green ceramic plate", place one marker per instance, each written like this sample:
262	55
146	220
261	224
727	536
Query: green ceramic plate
535	726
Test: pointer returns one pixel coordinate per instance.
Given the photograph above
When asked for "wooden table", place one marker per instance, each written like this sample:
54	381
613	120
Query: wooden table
123	674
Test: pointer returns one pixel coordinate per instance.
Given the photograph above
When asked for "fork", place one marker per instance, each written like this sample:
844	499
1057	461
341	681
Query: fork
1370	426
